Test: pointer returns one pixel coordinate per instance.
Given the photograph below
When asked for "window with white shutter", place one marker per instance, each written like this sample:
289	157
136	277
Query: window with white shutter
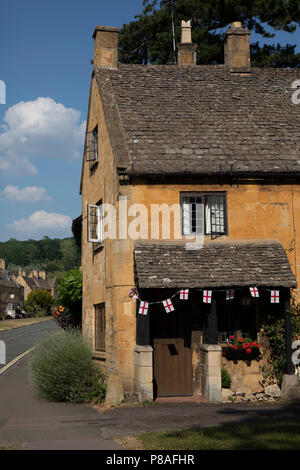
94	221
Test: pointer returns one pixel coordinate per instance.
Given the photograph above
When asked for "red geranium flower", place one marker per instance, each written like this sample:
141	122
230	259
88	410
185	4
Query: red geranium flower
231	337
240	340
235	346
248	351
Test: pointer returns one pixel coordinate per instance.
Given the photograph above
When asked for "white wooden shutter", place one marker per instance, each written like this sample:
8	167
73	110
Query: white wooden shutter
94	221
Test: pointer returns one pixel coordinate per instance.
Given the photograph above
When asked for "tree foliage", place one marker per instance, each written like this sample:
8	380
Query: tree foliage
39	302
70	294
149	37
55	256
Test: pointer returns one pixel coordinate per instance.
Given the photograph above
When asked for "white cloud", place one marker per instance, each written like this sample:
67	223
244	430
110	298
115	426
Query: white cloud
39	129
27	194
42	223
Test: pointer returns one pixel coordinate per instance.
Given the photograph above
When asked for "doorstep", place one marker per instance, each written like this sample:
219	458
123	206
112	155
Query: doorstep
180	400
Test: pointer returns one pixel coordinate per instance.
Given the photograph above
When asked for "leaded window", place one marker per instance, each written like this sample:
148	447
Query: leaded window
204	214
91	149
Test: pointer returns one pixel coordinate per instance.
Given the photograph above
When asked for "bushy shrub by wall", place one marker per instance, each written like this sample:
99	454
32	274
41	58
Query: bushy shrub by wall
62	369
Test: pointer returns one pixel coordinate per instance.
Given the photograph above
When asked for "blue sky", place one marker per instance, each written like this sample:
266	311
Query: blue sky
45	50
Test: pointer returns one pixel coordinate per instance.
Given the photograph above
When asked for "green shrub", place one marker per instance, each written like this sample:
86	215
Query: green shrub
226	378
62	369
274	329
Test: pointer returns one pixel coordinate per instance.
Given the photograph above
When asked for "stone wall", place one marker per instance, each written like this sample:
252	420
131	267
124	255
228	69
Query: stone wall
246	376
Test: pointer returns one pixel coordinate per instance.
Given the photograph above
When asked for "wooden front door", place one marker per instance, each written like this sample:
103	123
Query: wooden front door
172	351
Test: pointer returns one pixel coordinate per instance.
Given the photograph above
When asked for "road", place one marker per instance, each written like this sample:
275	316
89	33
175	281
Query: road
19	340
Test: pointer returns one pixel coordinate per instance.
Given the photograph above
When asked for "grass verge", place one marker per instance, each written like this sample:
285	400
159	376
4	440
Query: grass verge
254	436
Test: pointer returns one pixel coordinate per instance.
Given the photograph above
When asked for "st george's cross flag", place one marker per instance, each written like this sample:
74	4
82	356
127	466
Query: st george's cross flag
144	306
274	296
184	294
254	291
169	307
207	296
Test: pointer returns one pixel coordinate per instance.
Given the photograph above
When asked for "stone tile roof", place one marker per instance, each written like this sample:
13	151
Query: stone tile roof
215	265
202	120
6	280
40	283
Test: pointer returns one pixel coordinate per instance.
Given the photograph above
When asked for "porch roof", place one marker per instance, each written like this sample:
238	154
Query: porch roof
222	264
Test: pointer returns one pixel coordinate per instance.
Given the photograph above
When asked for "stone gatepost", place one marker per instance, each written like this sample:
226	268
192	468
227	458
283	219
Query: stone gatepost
210	372
143	372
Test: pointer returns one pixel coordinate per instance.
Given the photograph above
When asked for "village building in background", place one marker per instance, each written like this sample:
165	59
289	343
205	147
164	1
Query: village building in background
36	280
11	294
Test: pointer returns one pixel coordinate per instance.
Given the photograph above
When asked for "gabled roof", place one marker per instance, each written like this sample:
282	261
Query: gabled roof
202	120
6	280
223	264
40	283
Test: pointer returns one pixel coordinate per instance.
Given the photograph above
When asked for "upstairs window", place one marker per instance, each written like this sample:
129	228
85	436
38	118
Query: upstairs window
94	220
92	145
204	214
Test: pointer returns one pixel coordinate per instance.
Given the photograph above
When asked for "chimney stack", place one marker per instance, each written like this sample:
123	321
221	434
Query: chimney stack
2	264
34	273
42	274
237	49
106	47
186	48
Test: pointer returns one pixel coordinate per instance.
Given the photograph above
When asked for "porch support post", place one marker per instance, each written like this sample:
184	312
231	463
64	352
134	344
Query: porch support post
288	338
143	359
212	324
142	329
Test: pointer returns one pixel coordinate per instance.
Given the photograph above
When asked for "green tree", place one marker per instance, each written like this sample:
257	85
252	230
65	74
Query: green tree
39	302
70	293
149	37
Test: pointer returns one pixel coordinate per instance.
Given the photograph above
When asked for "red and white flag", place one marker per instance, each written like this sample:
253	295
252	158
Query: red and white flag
274	296
254	291
184	294
133	293
144	306
169	307
207	296
230	294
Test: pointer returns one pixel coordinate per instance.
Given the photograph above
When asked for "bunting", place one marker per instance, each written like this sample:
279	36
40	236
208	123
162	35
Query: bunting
207	297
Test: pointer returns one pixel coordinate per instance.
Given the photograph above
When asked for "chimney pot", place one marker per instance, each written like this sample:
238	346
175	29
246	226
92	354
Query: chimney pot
106	47
186	48
237	48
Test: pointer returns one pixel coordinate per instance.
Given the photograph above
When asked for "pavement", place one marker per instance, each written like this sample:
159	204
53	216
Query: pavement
28	422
